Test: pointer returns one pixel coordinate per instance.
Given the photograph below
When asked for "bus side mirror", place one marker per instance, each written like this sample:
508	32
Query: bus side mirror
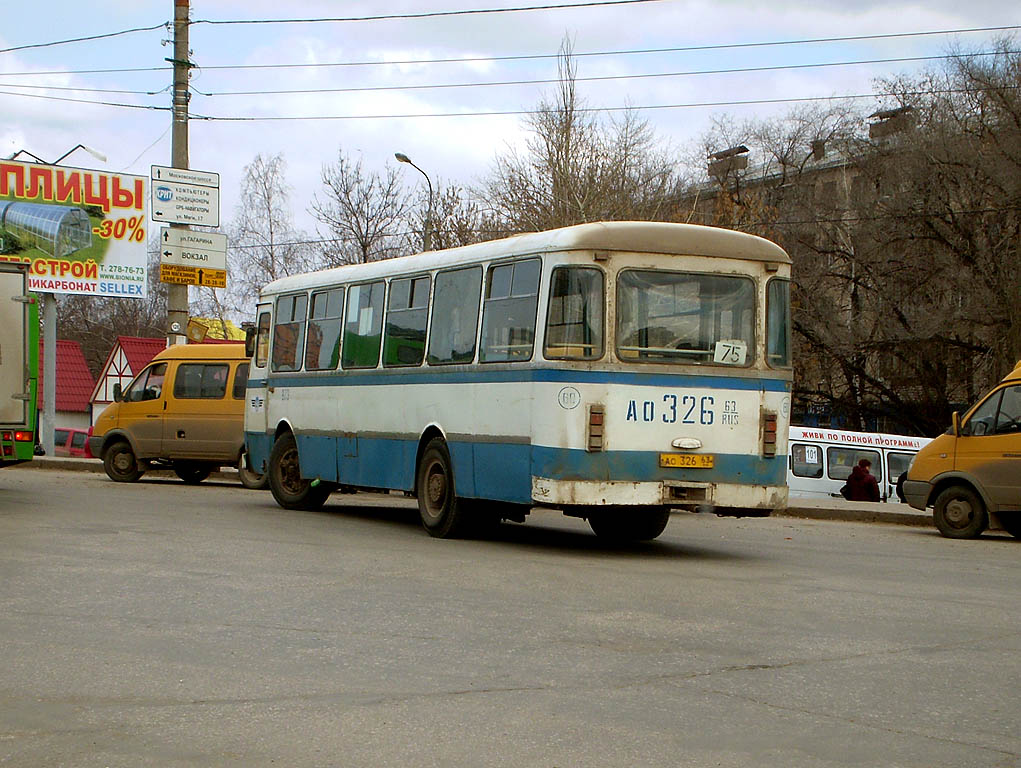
117	392
250	334
955	424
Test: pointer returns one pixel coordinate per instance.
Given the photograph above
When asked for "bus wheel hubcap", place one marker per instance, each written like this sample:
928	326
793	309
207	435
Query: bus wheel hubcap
436	488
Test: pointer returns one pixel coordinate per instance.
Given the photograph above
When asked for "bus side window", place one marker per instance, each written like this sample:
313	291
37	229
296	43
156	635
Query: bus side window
406	315
262	341
574	325
508	318
363	326
322	347
289	332
806	460
455	316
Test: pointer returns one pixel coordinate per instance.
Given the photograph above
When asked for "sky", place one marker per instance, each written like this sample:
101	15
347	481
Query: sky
440	129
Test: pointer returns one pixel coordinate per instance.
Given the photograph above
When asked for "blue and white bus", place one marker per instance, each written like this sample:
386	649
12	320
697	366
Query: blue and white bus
614	371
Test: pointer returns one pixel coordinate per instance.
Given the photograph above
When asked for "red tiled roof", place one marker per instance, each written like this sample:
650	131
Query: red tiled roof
139	351
74	381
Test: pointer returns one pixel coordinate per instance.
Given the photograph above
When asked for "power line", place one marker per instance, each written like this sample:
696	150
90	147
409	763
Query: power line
426	14
86	90
524	57
104	36
518	112
599	78
518	57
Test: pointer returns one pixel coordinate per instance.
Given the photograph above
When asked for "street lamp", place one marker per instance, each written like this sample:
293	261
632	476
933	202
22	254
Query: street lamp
427	234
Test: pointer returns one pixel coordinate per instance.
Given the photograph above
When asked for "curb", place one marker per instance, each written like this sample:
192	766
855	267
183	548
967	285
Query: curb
918	519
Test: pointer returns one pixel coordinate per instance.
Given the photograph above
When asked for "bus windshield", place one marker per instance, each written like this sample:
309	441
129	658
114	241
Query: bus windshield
674	317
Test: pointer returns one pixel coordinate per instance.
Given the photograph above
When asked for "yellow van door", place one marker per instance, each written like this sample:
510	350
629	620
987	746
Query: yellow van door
989	448
201	422
141	411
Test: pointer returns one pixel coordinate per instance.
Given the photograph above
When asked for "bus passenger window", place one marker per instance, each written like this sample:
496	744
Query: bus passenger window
322	348
806	460
289	332
841	461
574	325
262	341
363	326
455	316
778	323
406	314
508	318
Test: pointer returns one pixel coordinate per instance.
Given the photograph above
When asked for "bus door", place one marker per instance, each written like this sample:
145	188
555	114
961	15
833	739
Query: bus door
257	441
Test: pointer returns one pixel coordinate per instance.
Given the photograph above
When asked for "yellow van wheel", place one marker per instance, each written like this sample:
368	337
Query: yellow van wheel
120	463
959	513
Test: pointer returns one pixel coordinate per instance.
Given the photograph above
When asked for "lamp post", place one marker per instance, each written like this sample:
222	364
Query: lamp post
427	234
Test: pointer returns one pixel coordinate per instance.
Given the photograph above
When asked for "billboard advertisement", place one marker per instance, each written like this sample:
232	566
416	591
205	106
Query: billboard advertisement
82	231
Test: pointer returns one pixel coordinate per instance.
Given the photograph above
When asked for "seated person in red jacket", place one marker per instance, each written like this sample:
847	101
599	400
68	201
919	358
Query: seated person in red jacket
861	485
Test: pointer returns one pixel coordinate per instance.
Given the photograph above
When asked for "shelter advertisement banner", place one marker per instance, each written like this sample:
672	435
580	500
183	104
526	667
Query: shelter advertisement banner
82	231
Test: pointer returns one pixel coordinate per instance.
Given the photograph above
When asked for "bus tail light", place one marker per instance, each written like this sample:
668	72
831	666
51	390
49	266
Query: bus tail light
769	433
23	437
6	436
596	423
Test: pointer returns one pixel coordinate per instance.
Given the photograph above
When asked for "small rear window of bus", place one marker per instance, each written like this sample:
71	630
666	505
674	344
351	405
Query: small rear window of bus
508	317
289	332
574	326
685	318
778	323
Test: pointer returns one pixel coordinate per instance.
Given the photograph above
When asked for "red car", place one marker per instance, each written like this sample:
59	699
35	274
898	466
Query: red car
71	442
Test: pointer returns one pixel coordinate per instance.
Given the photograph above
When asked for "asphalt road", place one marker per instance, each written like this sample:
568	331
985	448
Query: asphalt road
165	625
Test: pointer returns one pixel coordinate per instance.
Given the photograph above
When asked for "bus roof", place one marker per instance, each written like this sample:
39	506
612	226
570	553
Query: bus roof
632	236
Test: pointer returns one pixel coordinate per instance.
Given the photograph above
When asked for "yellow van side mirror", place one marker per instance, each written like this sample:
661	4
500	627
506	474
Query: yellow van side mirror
955	424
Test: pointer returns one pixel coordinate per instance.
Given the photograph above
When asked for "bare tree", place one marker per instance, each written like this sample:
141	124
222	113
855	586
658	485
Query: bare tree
579	166
364	213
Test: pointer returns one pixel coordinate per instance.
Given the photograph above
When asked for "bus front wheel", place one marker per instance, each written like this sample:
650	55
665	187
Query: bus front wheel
626	525
959	513
289	488
443	515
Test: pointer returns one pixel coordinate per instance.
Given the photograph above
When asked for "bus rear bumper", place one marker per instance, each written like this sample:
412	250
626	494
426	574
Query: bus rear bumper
754	500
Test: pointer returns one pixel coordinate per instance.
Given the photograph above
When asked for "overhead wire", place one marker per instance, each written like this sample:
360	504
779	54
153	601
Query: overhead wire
596	78
528	57
106	35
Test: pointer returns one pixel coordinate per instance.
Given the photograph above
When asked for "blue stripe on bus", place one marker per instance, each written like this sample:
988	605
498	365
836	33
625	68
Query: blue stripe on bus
765	383
503	471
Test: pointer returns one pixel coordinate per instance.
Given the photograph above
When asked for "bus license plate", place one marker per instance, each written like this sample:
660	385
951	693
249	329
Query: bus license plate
686	460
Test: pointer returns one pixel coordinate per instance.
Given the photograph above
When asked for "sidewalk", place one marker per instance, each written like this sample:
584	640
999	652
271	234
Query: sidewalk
811	509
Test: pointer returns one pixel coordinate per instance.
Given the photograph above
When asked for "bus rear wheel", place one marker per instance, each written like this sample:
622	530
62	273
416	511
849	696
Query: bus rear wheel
289	488
625	525
120	463
959	513
443	514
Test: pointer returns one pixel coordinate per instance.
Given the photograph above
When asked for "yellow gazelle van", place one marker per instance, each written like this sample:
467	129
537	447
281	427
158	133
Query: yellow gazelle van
972	474
184	411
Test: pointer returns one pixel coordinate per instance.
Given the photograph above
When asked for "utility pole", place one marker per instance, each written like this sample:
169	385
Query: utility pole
177	295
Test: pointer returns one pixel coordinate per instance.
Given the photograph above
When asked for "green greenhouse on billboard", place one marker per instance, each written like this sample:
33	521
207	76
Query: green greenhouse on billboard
58	230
